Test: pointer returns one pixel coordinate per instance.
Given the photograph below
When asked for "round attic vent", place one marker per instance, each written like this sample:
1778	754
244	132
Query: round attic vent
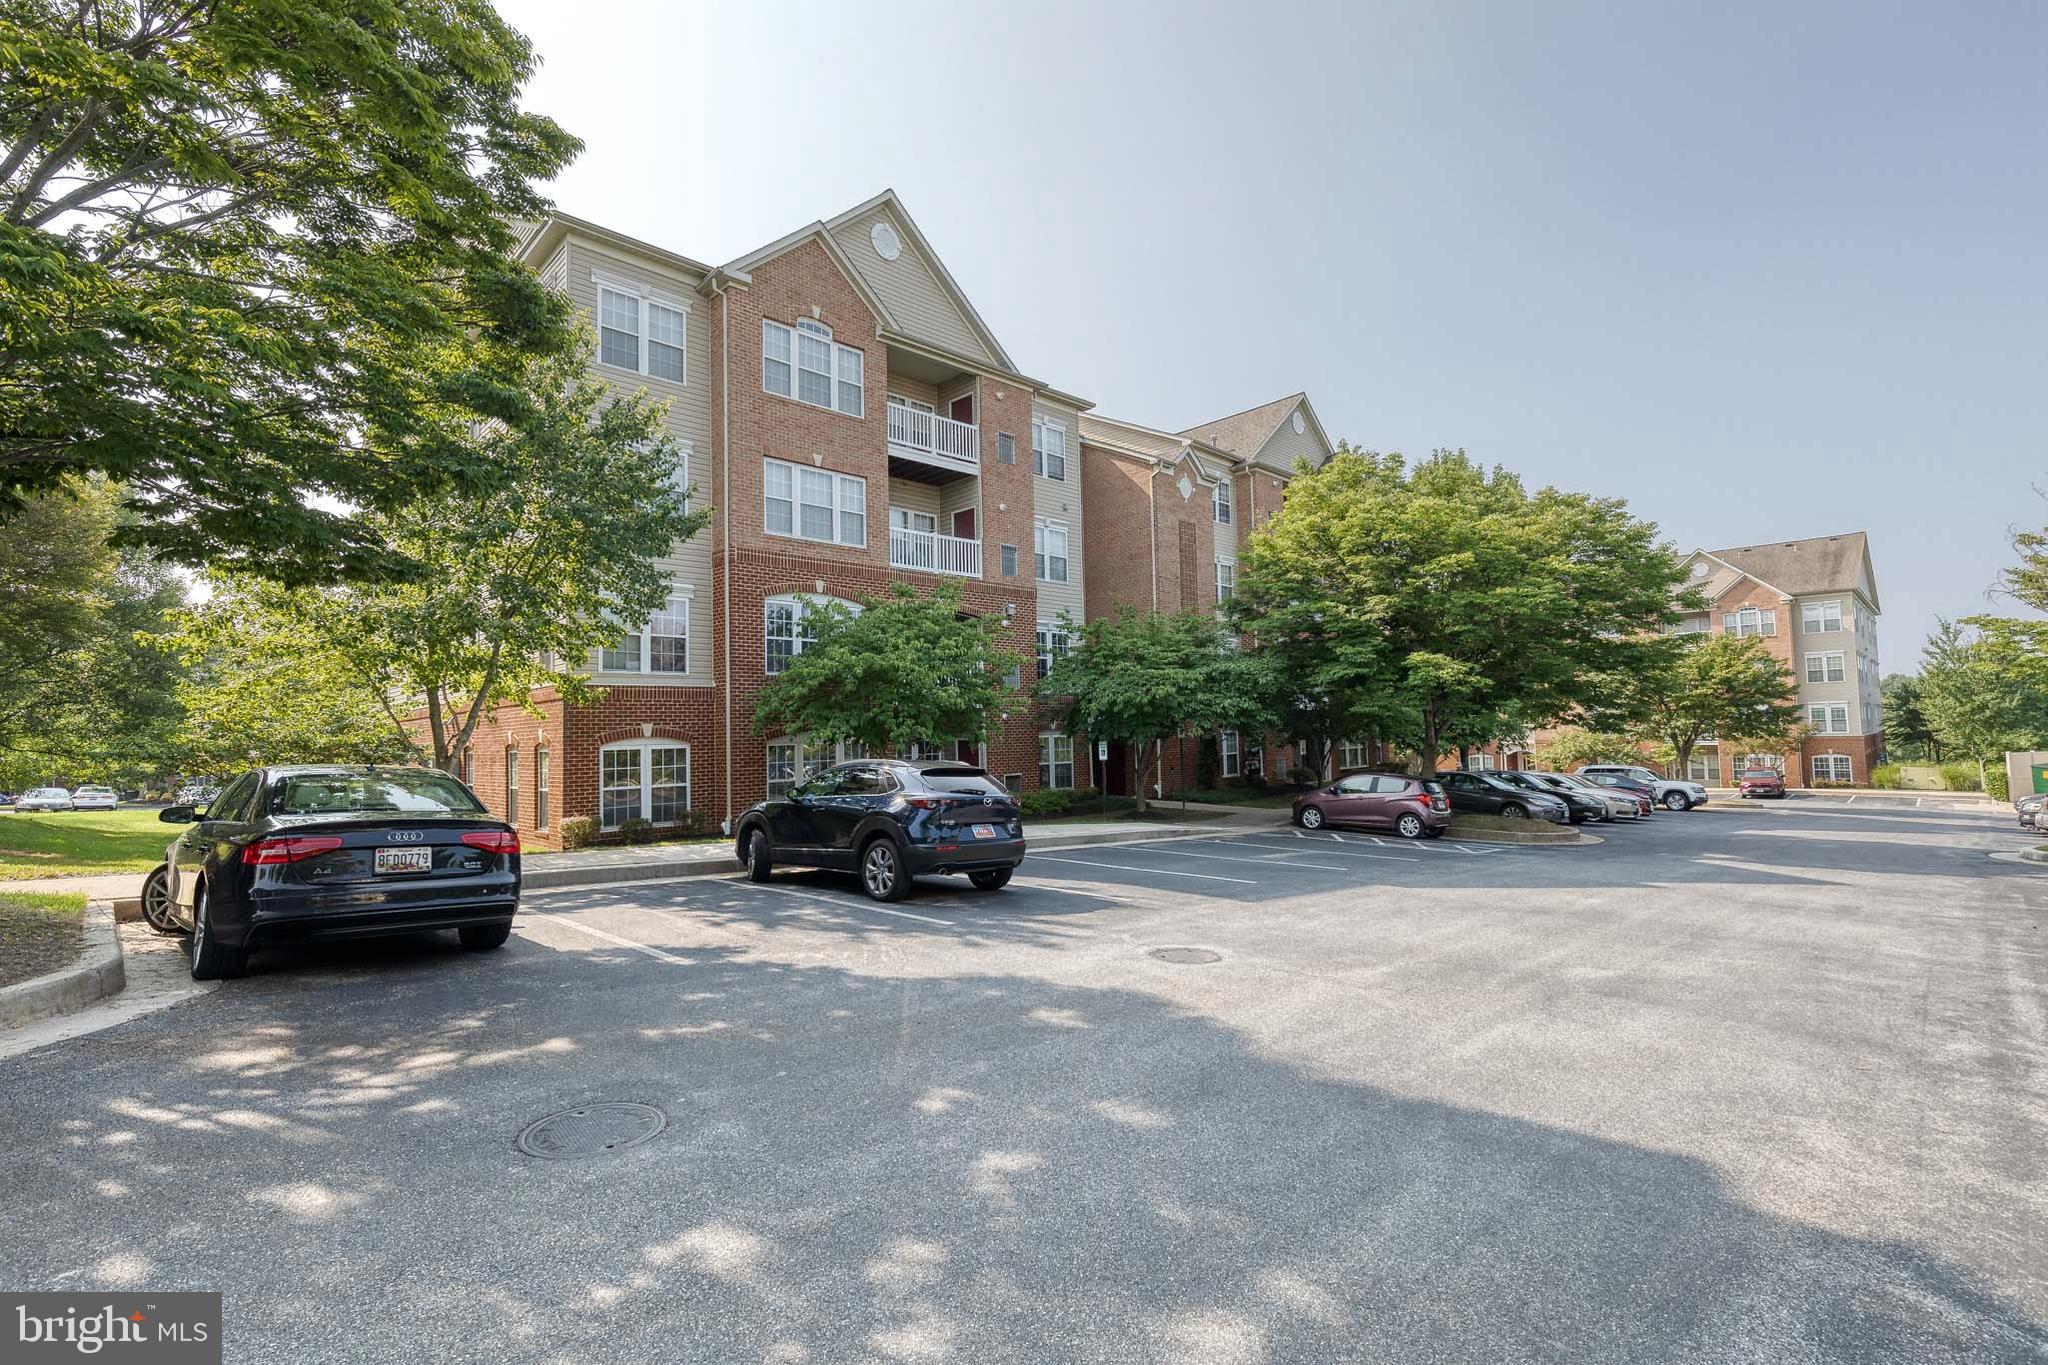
887	244
1300	423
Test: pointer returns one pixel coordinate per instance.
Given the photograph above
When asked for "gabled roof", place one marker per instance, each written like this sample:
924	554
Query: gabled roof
1800	568
1166	449
951	287
1243	435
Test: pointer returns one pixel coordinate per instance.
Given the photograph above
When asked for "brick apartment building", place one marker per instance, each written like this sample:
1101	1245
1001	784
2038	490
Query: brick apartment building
852	421
1813	603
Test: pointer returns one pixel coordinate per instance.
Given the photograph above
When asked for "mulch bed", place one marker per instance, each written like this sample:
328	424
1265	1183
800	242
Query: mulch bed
39	934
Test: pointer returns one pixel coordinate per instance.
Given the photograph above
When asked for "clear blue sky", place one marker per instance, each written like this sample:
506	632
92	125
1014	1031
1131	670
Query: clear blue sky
1770	271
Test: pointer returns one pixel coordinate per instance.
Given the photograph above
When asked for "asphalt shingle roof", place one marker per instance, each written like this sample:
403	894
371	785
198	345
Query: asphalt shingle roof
1821	564
1242	433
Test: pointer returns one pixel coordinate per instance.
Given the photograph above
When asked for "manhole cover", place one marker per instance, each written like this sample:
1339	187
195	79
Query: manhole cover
591	1129
1185	956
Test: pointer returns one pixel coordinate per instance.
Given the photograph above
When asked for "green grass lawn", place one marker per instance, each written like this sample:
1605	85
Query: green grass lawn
79	843
38	934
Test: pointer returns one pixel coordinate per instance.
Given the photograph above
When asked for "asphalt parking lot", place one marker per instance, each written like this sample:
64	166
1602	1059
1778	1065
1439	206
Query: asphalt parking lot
1749	1084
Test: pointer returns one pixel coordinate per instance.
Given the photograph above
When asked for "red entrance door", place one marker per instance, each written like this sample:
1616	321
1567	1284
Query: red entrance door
1116	774
962	409
963	523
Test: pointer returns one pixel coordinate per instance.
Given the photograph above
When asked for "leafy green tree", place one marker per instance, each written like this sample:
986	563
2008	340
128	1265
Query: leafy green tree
1574	748
906	668
1142	678
1981	692
1443	603
1714	685
521	582
1906	731
255	265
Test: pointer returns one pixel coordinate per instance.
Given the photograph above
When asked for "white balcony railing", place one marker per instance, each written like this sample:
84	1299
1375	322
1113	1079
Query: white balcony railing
930	434
934	553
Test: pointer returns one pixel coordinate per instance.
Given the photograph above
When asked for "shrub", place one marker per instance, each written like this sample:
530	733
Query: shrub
1050	801
1959	777
1997	785
578	831
636	831
1886	776
1255	781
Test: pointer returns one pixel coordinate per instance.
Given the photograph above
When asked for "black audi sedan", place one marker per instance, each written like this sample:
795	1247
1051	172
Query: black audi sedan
889	820
319	853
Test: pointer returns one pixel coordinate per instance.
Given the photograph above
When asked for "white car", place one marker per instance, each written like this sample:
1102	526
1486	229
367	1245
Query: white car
94	798
44	798
1670	795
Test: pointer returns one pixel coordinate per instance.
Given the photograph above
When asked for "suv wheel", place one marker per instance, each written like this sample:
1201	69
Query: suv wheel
1677	801
1311	817
1409	826
881	871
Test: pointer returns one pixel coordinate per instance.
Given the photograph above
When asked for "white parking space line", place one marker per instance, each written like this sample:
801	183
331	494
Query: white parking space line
1224	857
844	902
1336	852
582	928
1148	871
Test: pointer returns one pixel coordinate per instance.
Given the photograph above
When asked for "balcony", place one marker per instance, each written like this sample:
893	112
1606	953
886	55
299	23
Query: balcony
930	552
934	440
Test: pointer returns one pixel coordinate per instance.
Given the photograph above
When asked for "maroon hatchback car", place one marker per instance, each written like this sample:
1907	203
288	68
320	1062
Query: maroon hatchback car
1412	807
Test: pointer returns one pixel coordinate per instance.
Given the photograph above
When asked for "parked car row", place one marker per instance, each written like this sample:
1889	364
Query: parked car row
89	797
1421	807
2029	809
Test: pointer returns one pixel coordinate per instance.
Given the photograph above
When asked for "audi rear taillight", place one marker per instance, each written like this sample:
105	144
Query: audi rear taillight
493	840
289	848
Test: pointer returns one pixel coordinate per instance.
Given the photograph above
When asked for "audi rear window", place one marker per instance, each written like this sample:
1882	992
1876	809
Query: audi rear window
963	781
375	793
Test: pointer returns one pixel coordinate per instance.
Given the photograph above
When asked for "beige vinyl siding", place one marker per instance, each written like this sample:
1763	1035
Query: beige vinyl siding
918	497
1059	501
555	272
1285	445
694	582
903	386
908	287
1126	438
687	420
957	495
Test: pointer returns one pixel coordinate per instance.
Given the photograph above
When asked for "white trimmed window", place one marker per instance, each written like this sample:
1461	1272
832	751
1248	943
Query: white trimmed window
788	629
1350	754
543	769
1821	617
794	760
1829	720
1222	501
813	504
1055	761
660	646
1833	768
643	334
1826	667
1049	546
1049	449
1226	579
1750	621
1226	745
1053	643
1479	763
512	786
804	362
643	779
926	750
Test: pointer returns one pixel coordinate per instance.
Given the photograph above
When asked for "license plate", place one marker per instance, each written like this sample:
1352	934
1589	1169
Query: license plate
984	831
405	860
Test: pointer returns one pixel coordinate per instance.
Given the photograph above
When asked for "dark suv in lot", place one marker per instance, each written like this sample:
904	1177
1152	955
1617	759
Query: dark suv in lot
889	820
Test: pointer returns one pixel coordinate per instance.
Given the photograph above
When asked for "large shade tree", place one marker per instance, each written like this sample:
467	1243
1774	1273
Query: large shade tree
522	582
1445	603
907	668
1142	678
1713	685
255	265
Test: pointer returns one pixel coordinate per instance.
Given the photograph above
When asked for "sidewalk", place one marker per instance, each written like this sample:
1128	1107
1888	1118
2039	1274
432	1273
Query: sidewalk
1937	800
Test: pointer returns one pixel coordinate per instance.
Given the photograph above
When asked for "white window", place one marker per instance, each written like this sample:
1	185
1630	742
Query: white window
1825	667
1833	768
782	756
794	760
1049	545
1821	616
660	646
789	630
1350	754
1750	621
813	504
1222	500
1226	744
1479	763
543	769
804	363
643	779
1703	768
665	354
512	786
1829	720
925	751
1053	643
1695	624
1226	579
1049	449
1055	761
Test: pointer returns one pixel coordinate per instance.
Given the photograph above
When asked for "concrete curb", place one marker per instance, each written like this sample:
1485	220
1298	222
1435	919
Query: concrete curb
2033	855
98	973
1512	836
724	865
